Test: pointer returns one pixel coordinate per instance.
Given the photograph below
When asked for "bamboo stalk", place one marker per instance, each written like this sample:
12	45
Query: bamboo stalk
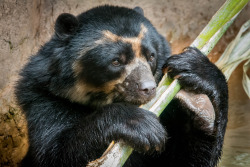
118	153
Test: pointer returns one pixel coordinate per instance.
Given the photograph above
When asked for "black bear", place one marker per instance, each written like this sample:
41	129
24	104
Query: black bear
83	88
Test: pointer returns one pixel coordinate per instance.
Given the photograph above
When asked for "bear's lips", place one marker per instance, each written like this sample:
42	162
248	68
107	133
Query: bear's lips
125	93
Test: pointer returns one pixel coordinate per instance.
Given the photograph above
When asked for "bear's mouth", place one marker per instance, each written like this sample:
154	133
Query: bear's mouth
138	87
129	95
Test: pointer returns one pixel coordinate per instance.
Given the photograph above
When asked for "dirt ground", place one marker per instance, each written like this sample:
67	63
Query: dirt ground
26	25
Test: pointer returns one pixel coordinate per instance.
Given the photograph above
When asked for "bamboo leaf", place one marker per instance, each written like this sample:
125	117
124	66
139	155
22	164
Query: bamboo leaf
246	79
236	52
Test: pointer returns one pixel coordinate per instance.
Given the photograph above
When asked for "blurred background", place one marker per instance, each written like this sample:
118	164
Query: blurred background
25	25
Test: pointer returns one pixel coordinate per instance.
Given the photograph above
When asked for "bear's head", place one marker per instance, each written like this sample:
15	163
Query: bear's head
107	54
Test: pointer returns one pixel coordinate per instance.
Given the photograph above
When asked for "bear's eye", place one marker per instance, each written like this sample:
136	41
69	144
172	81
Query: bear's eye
152	57
116	63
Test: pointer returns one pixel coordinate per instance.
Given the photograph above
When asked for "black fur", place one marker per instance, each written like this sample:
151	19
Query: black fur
66	25
66	132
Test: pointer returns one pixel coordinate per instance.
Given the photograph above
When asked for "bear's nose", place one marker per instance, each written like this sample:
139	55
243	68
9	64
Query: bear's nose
147	87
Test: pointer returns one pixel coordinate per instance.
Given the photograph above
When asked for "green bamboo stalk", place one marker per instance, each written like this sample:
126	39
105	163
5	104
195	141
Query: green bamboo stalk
229	10
168	88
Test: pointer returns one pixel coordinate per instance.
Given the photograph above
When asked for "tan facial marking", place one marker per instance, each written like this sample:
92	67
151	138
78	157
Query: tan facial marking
134	41
78	93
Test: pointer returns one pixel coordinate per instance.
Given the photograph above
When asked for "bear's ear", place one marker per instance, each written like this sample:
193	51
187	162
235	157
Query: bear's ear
66	25
139	10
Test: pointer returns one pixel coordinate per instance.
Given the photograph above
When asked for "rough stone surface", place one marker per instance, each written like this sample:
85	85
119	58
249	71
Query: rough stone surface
26	25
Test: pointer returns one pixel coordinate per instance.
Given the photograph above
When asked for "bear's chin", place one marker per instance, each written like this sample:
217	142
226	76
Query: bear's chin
133	99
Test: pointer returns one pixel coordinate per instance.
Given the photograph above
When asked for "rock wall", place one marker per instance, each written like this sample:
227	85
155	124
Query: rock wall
26	25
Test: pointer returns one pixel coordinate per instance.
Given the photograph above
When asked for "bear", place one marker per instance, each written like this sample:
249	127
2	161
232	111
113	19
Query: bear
84	87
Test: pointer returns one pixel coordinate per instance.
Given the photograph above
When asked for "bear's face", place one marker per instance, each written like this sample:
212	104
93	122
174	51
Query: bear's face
117	56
